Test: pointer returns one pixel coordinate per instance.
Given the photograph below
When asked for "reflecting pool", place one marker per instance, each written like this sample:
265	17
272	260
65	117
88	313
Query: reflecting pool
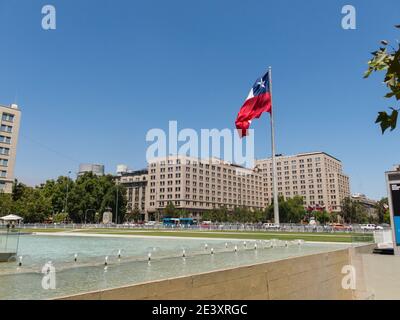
84	264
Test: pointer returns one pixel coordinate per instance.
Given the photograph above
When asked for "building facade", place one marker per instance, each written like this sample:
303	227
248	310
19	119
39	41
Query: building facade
135	183
193	185
317	177
368	204
96	169
197	185
10	117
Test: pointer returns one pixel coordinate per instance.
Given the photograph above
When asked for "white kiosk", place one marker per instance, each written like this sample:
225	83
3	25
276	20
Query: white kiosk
9	237
393	185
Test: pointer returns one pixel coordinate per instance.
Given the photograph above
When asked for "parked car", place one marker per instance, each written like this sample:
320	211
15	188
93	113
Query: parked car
341	227
270	226
370	227
206	224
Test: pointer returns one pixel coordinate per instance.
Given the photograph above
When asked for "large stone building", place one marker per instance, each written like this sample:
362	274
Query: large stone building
369	205
196	185
193	185
135	183
316	176
9	129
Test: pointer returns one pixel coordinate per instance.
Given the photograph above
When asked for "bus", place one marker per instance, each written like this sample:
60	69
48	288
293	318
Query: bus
172	222
187	221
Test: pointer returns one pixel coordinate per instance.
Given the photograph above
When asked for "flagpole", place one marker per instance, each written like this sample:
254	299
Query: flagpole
274	173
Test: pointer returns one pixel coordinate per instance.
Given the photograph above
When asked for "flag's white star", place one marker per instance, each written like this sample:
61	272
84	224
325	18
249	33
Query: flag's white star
261	83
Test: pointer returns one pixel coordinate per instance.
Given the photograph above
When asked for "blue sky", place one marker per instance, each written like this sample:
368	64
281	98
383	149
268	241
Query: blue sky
91	89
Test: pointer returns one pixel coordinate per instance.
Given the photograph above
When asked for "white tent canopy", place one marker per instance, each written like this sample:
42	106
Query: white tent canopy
11	217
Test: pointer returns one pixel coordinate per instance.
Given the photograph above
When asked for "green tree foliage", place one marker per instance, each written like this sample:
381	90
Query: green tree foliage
6	204
18	190
170	210
387	59
386	217
60	217
33	206
134	215
86	196
291	210
323	217
382	207
353	212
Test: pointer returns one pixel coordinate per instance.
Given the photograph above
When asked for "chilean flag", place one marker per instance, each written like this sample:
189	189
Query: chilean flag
258	101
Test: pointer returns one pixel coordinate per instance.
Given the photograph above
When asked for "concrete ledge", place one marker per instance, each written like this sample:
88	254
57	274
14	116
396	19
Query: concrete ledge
311	277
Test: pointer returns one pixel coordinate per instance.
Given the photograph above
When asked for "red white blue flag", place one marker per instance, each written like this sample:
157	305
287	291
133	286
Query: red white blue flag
258	101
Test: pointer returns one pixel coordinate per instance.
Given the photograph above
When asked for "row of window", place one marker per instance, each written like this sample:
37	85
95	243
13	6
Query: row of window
6	128
213	180
4	139
202	172
3	162
204	204
4	151
7	117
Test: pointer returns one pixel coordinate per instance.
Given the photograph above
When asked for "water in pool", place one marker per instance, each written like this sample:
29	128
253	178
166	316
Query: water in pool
80	267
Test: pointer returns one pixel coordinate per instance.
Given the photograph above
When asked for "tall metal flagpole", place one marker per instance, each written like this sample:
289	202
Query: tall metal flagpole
274	173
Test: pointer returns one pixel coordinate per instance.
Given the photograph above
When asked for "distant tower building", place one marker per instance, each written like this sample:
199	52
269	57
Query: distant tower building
9	129
97	169
121	169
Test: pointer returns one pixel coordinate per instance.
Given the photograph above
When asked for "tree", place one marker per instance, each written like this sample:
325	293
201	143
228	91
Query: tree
382	207
221	214
386	217
134	215
86	196
17	190
291	210
353	211
113	194
33	206
207	216
322	216
296	209
56	191
170	210
387	59
6	204
60	217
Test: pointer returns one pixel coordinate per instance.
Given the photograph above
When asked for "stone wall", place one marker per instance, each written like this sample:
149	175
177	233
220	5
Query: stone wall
312	277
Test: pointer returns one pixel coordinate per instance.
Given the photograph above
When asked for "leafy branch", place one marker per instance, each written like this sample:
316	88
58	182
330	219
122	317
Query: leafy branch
387	59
